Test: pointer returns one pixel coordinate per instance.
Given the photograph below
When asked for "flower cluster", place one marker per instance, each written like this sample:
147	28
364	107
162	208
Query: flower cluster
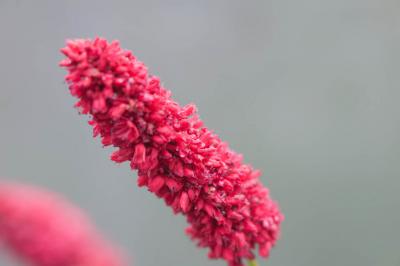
177	158
45	230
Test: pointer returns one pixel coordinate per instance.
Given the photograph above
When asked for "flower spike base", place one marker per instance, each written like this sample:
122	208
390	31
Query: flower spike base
252	263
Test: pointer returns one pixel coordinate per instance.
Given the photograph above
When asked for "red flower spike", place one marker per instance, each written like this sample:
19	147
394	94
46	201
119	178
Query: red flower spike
45	230
177	158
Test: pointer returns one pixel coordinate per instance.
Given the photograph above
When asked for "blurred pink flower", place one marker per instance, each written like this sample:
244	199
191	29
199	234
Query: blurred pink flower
45	230
177	158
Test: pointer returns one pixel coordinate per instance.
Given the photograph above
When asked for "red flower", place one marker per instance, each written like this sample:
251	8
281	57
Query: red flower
45	230
177	158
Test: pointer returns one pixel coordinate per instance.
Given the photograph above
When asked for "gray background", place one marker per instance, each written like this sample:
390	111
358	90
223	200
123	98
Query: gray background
307	90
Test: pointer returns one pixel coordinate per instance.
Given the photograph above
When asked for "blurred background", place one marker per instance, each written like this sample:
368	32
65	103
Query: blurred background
307	90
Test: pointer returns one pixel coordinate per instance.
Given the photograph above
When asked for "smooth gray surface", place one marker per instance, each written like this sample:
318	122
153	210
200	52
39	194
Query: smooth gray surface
307	90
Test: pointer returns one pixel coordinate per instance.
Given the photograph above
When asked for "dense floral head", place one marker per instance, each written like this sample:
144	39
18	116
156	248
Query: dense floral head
177	158
45	230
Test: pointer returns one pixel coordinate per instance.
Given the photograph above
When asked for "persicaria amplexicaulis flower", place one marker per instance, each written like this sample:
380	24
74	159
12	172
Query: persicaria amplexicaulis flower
43	229
177	158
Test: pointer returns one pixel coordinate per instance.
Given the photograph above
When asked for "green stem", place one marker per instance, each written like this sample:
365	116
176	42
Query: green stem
252	263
